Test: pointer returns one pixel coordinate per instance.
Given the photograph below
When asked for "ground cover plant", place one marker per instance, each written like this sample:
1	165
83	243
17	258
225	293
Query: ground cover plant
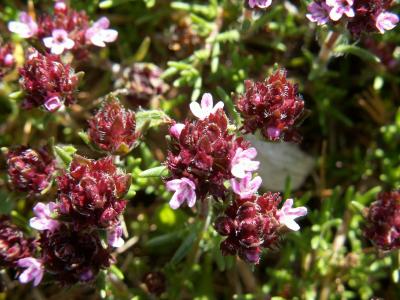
216	149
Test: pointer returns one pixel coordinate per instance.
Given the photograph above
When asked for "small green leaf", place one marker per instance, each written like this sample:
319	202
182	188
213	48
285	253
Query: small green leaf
155	172
164	239
117	272
360	52
150	118
84	136
65	153
143	49
185	247
16	95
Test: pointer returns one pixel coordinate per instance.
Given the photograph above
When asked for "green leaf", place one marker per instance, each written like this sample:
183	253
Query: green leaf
117	272
65	153
143	49
150	118
185	247
164	239
155	172
84	136
360	52
16	95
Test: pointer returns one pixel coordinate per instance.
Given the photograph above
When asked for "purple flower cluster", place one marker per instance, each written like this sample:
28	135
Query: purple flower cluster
143	83
203	154
361	15
30	170
253	222
47	82
112	128
65	29
383	221
13	244
88	202
272	106
207	159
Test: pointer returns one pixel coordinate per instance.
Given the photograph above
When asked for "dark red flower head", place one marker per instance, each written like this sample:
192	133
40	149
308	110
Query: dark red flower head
47	82
383	221
112	129
73	256
155	282
13	244
366	13
203	152
143	82
250	225
30	170
7	61
90	193
273	106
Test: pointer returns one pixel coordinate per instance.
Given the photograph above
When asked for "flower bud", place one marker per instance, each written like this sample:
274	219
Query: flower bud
13	244
112	128
30	170
273	106
90	193
47	82
383	221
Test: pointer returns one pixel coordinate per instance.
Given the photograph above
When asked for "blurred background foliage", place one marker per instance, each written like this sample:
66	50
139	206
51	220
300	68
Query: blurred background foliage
352	133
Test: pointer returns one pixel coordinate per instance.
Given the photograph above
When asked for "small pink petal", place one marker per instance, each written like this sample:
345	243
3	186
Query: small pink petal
176	130
196	110
207	102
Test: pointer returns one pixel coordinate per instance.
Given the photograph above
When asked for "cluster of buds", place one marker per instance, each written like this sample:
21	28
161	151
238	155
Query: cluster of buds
88	203
182	38
13	244
253	222
30	170
361	16
273	106
7	61
112	128
143	83
47	82
203	154
65	29
383	221
90	193
72	256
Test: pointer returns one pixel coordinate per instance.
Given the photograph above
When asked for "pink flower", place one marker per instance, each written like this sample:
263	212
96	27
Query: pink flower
176	130
206	107
287	214
339	8
246	187
184	191
53	103
318	13
59	41
34	270
60	6
242	162
8	60
260	3
386	21
25	28
44	214
114	236
99	34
